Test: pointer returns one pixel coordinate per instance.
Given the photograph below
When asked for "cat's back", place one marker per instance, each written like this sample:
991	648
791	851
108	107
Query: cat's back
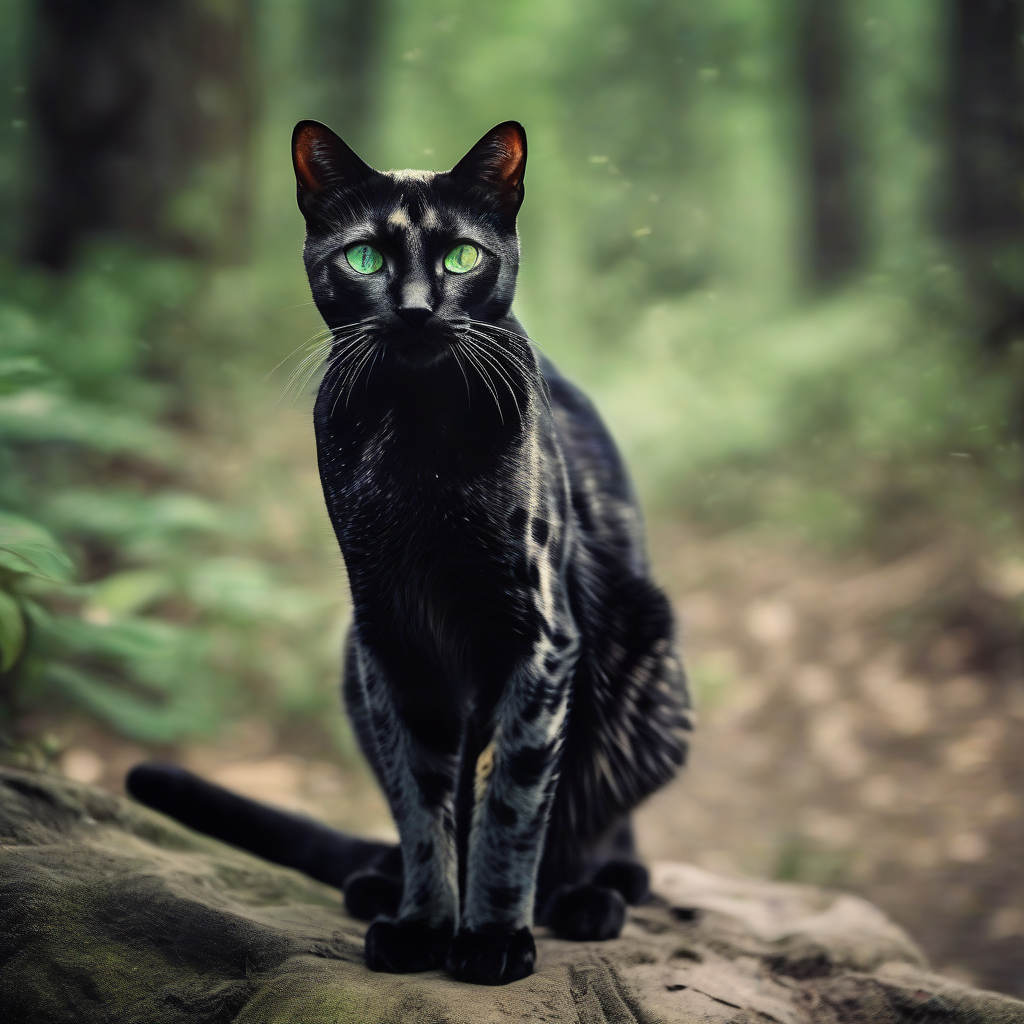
603	500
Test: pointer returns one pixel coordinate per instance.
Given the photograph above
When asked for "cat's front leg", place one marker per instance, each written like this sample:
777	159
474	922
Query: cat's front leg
515	779
419	785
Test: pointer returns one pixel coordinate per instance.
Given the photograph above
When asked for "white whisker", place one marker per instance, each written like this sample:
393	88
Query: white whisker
316	341
497	349
502	330
371	351
311	363
486	378
462	369
346	373
490	359
369	372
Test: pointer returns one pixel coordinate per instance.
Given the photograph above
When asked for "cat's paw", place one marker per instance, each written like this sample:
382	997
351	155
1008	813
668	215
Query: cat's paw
370	894
585	913
627	877
497	958
405	947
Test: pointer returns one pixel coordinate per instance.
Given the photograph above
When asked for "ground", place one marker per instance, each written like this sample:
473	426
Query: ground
113	912
860	725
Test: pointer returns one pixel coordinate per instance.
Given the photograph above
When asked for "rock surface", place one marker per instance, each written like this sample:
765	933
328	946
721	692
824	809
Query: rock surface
110	912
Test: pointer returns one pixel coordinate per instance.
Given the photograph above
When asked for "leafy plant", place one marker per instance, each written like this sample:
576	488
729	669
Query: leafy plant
145	613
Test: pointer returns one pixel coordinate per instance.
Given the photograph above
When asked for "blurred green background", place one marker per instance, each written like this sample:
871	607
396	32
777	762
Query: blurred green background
781	246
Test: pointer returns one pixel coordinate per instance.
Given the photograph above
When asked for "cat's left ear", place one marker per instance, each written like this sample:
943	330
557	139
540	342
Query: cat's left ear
498	162
321	160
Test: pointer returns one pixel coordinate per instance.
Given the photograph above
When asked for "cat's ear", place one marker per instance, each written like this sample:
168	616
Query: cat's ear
498	162
321	159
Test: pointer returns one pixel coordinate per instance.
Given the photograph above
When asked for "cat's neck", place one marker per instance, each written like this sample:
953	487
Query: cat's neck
462	400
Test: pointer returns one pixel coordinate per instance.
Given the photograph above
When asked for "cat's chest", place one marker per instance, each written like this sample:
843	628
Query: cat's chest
458	526
389	485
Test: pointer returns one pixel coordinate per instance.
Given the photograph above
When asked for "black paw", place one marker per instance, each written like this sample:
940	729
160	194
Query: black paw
627	877
405	947
491	959
369	894
585	913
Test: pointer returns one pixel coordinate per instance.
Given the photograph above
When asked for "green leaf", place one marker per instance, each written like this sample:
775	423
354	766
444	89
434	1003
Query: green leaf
150	527
245	590
147	678
125	593
154	653
189	710
28	549
35	416
12	631
16	373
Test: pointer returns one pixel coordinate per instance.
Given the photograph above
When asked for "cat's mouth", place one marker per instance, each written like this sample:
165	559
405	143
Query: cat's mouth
420	349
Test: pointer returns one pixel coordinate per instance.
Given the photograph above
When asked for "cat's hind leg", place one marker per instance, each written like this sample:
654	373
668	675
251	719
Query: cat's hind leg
585	912
629	878
596	910
618	867
585	887
376	891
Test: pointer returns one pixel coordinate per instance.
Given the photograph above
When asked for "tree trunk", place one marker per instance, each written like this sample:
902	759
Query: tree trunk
344	42
142	114
834	222
985	201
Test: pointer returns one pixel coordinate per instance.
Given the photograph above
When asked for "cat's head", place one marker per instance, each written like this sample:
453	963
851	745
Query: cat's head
416	255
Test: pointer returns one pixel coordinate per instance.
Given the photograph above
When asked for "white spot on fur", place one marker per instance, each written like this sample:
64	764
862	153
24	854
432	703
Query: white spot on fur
430	220
400	218
411	175
484	767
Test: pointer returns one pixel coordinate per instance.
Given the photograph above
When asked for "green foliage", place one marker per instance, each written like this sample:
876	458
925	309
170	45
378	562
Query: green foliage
145	614
800	861
26	549
665	245
665	248
12	631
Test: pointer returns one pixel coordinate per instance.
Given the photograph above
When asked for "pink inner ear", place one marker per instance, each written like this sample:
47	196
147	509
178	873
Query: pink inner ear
510	162
306	144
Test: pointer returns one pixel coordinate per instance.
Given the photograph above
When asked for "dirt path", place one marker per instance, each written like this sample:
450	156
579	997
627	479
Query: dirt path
860	726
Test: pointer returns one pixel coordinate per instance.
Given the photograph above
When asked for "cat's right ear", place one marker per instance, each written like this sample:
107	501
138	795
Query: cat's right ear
321	159
497	163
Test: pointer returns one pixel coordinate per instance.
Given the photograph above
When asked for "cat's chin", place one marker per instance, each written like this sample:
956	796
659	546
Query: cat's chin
421	354
421	357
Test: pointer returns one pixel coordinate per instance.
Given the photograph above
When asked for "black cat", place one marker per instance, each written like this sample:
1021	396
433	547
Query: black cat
510	672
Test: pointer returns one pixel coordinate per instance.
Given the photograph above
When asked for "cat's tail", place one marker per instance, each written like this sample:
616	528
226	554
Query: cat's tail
279	836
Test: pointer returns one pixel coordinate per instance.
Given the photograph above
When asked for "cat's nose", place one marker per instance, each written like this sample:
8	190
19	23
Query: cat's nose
414	316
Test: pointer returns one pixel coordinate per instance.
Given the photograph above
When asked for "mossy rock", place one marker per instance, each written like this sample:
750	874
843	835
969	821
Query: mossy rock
111	912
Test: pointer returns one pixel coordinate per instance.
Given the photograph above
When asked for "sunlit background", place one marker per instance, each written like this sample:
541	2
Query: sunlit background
779	243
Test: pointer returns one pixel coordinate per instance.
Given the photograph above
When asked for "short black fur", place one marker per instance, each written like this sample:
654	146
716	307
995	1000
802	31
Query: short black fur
511	670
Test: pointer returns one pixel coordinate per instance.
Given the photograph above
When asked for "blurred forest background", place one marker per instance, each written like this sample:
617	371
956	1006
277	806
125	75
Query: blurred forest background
779	243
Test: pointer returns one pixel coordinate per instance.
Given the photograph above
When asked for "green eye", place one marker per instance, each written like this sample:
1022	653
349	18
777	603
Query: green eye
364	259
462	258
